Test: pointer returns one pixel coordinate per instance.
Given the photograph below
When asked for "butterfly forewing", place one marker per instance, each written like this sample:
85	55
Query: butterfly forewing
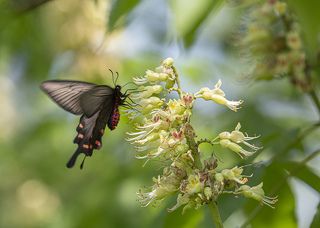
67	93
92	100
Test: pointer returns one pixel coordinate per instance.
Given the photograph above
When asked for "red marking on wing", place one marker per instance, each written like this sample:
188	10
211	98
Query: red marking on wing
85	146
98	144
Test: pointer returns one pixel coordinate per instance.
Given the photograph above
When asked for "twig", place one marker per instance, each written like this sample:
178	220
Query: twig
215	214
313	95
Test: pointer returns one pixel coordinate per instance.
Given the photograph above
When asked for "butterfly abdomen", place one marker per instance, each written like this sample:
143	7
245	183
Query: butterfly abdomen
115	115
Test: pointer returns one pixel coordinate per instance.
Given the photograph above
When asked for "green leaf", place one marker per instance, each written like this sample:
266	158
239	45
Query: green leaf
283	214
189	17
190	219
309	17
119	11
304	173
316	219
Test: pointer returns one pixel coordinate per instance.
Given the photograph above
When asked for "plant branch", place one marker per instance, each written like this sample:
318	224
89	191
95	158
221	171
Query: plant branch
304	133
190	136
313	95
215	214
177	81
194	147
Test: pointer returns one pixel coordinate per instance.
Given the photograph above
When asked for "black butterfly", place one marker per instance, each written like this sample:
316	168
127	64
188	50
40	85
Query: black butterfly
98	105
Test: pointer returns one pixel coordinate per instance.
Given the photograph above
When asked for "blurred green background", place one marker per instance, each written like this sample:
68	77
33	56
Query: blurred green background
80	40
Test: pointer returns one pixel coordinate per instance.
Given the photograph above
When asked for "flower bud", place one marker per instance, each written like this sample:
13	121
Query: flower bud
234	174
181	148
168	62
282	64
293	40
147	91
187	100
280	8
176	107
208	193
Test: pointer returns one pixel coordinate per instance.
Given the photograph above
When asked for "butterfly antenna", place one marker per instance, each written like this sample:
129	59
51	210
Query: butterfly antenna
113	81
116	78
82	163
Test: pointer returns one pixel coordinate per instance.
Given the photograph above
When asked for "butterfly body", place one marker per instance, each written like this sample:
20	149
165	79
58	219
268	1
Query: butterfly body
98	106
115	117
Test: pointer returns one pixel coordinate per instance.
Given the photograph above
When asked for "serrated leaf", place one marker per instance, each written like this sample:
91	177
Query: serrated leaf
304	173
190	17
119	10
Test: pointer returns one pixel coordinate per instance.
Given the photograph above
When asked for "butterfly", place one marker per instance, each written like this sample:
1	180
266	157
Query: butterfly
98	106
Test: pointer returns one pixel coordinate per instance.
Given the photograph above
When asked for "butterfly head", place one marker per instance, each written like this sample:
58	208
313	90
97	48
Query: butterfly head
117	88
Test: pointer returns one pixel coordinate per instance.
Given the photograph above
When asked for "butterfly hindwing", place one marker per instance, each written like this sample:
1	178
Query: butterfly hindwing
90	131
83	137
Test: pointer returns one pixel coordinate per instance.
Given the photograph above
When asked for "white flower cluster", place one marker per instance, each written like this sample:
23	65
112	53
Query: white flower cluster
163	131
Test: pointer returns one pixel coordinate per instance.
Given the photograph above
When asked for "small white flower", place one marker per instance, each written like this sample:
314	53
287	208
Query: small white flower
235	148
217	95
293	40
150	103
194	184
257	193
168	62
237	136
234	174
147	91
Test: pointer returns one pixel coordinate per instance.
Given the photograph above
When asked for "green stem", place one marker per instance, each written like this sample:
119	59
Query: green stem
190	136
215	214
301	136
298	139
177	80
315	99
